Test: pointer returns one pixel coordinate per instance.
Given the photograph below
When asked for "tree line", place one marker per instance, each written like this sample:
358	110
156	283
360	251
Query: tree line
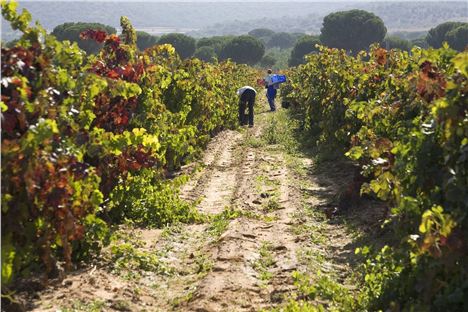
353	30
413	16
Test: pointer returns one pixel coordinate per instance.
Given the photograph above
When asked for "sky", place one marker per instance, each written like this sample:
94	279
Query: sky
252	0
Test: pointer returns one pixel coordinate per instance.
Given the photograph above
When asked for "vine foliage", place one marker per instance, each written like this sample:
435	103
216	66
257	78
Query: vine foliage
403	117
79	131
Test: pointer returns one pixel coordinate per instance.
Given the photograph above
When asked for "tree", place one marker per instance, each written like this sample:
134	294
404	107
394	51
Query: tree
71	32
261	33
243	49
303	46
268	60
352	30
281	40
205	53
457	38
420	42
145	40
437	35
298	35
394	42
216	42
183	44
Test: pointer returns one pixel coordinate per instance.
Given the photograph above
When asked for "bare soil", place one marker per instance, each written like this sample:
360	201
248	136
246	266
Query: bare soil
275	223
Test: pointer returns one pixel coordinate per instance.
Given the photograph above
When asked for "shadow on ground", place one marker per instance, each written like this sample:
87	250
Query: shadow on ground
339	182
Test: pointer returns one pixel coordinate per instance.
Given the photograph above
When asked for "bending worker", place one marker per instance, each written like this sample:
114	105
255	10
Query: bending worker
247	96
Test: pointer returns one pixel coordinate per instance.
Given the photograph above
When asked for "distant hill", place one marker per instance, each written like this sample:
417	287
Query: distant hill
165	15
398	16
214	18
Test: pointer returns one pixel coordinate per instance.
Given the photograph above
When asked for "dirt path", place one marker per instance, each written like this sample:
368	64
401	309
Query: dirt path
266	209
250	260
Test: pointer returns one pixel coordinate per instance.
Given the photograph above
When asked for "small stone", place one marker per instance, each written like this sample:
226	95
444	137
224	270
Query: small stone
278	248
60	296
249	235
264	195
218	269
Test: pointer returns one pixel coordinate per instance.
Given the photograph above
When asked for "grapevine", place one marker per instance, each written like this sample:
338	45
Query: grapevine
79	129
403	118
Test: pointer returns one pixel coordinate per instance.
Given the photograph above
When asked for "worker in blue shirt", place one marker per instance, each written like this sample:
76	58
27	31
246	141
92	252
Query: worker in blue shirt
271	90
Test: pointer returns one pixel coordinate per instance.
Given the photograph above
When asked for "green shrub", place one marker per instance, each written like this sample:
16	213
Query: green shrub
147	200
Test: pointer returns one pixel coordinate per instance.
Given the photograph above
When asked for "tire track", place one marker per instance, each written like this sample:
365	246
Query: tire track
215	184
238	280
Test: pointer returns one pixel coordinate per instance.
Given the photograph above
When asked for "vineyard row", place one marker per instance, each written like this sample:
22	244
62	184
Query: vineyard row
403	118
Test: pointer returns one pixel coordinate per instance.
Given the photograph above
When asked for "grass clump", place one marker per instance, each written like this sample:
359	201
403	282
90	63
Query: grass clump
265	261
320	293
130	260
272	205
280	131
219	222
203	264
79	305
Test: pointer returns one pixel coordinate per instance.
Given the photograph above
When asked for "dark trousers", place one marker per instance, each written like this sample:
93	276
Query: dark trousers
248	97
271	94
